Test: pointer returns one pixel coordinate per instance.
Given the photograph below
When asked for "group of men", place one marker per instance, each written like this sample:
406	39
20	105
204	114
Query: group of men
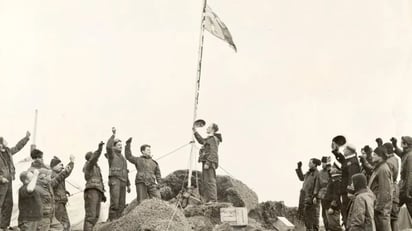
362	190
43	195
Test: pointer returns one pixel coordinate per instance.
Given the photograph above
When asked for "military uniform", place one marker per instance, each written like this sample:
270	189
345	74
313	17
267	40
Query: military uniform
148	172
118	180
393	164
210	162
94	191
311	210
60	199
350	167
45	185
381	185
7	171
361	212
320	193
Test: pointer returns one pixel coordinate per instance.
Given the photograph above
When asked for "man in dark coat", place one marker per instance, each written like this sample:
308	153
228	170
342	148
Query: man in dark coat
321	187
350	167
7	175
118	177
405	184
94	190
381	185
210	161
148	175
60	192
393	164
332	201
311	205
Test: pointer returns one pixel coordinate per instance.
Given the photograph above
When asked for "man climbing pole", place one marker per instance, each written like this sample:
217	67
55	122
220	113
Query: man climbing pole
118	176
208	156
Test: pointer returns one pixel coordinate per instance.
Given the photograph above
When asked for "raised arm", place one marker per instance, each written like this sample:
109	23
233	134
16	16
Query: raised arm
95	156
128	152
199	138
63	174
299	172
110	143
20	145
397	150
32	185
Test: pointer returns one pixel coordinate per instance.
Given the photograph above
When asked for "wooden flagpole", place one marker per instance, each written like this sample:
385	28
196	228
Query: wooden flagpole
197	89
33	145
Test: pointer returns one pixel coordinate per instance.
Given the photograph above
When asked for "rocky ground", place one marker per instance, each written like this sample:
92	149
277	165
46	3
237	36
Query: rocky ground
161	215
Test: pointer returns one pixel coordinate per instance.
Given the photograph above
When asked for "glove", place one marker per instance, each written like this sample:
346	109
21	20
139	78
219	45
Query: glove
330	211
300	164
379	141
3	180
128	141
101	145
104	199
394	141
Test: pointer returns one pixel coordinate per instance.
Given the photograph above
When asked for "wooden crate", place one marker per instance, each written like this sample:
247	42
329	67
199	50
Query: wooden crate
235	216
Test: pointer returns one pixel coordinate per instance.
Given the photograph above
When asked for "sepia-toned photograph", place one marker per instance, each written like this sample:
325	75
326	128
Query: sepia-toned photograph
204	115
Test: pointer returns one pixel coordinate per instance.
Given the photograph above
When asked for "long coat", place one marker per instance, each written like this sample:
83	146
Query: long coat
381	185
361	212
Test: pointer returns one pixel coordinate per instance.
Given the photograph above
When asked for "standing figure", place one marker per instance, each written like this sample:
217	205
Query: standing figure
381	185
405	184
30	205
60	192
7	175
393	164
45	184
350	167
311	205
118	177
94	190
148	172
332	199
208	156
321	187
361	211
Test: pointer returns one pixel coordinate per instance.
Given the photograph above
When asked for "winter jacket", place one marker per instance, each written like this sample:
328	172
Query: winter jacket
309	182
322	184
45	185
405	186
333	193
92	173
59	190
148	171
393	164
117	163
350	166
209	150
361	212
7	169
381	185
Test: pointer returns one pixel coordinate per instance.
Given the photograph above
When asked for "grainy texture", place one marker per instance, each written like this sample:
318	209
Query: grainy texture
150	215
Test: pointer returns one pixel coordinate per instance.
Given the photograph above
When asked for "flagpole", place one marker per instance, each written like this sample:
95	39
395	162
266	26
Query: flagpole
33	146
197	89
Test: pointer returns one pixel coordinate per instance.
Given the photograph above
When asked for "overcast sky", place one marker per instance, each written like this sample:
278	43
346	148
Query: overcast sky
304	72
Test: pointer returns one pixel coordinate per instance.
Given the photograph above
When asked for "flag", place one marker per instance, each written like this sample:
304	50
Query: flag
215	26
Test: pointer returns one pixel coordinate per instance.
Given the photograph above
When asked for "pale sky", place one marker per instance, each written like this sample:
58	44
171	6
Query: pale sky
305	71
